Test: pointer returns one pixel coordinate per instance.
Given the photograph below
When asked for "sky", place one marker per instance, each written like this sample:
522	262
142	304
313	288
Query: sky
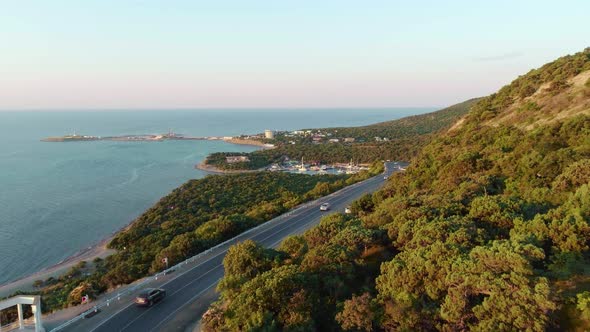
114	54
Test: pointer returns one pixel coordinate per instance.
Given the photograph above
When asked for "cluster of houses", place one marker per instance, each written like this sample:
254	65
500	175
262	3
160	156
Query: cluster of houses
317	136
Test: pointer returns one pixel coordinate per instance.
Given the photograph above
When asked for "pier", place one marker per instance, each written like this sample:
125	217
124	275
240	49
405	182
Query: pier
134	138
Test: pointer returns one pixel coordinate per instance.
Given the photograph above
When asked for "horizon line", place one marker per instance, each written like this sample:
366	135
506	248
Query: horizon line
265	108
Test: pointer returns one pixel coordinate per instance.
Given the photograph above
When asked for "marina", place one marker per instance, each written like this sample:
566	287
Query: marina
313	168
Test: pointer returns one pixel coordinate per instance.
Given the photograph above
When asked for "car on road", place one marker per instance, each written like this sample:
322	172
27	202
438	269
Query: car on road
348	210
325	207
385	177
149	296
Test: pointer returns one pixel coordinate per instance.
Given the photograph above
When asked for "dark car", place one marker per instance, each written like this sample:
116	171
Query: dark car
149	296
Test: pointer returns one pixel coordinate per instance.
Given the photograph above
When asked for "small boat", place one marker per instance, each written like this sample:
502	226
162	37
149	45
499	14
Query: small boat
302	167
350	168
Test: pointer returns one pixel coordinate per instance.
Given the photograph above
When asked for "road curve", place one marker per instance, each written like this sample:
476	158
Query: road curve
190	290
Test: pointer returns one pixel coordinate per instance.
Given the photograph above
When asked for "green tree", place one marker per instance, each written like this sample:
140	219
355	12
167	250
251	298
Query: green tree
272	300
295	246
494	288
358	314
247	259
583	304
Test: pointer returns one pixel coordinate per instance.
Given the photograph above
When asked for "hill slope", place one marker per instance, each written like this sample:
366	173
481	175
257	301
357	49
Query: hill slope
406	137
555	91
487	230
410	126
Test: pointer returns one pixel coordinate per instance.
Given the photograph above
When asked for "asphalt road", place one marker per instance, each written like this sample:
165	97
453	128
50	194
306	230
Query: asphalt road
190	291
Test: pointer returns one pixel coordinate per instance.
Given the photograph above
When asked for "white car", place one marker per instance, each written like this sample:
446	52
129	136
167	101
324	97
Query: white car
385	177
325	207
347	210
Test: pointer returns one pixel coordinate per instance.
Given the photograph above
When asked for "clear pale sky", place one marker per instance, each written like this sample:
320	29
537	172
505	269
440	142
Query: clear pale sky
276	53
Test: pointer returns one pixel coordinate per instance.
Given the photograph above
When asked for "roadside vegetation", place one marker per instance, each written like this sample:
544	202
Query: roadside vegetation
192	218
487	230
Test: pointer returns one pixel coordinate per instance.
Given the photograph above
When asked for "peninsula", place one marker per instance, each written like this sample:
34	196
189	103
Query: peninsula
143	137
170	136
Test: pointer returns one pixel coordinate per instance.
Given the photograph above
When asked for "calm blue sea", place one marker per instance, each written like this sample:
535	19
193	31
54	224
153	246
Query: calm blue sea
59	198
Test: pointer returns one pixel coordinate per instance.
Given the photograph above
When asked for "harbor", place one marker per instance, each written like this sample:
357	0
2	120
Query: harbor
170	136
319	169
143	137
314	168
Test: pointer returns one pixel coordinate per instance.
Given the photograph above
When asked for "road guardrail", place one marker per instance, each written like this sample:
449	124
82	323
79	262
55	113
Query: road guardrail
106	302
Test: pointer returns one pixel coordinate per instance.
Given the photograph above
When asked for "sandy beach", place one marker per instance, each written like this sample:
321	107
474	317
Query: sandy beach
100	249
26	283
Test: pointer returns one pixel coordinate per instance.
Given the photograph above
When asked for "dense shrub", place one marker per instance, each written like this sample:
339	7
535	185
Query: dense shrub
487	230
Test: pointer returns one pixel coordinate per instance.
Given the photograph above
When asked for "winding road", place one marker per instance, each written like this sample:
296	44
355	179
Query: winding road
190	290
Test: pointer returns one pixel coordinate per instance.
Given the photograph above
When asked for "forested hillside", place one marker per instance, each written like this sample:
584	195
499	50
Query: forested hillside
405	137
194	217
487	230
407	127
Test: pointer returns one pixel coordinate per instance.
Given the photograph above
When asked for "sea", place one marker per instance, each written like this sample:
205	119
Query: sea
57	199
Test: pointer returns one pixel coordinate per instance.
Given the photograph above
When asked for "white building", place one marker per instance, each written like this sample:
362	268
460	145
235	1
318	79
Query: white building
269	134
32	324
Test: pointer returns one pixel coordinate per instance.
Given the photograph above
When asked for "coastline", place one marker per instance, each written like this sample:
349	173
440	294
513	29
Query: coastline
100	249
25	283
239	141
214	170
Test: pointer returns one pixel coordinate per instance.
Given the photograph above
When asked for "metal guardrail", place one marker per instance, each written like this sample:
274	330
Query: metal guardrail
105	303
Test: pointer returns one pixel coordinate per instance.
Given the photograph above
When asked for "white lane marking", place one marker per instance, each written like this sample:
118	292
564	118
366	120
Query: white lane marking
280	230
188	302
347	189
200	277
178	276
185	272
216	281
164	284
109	318
308	224
289	222
274	245
178	290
